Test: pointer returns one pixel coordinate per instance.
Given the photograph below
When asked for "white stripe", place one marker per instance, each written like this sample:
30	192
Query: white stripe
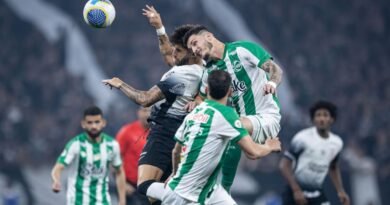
87	180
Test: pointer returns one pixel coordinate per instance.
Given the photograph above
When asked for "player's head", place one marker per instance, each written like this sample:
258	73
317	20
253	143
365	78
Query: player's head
323	114
93	121
180	53
200	41
143	115
219	82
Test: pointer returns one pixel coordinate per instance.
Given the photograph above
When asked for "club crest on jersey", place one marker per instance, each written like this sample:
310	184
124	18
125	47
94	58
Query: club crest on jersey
237	67
238	124
238	86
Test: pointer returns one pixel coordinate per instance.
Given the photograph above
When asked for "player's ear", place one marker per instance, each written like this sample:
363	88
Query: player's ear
230	91
209	36
83	124
104	122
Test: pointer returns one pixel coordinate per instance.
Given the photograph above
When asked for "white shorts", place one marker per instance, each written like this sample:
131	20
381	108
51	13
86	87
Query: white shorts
265	126
219	196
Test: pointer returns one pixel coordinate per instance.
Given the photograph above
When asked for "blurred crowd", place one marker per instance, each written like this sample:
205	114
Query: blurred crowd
333	50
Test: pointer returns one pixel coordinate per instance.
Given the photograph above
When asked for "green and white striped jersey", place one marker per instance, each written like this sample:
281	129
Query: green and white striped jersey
243	61
89	168
206	133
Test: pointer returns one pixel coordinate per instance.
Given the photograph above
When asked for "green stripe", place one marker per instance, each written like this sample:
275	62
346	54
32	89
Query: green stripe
242	76
94	180
194	151
80	179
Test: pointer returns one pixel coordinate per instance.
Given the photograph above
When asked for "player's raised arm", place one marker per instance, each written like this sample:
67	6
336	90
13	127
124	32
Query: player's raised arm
255	151
165	46
144	98
275	73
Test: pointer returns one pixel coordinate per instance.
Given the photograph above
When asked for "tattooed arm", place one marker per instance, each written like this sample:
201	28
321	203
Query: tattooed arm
144	98
163	40
276	74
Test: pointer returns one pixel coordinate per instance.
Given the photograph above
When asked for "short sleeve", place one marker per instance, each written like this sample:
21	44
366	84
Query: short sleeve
232	126
254	53
297	146
117	160
179	136
171	84
203	84
71	150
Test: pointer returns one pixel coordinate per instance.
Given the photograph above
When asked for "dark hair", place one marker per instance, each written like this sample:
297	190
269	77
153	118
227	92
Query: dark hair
324	105
219	82
193	31
177	36
93	110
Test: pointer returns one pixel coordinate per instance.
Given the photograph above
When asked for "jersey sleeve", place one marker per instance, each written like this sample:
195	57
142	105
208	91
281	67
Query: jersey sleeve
203	84
71	150
297	146
116	160
179	136
254	53
232	126
171	84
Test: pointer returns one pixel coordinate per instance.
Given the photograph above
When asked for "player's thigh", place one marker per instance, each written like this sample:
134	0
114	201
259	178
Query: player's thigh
171	198
148	172
220	197
264	126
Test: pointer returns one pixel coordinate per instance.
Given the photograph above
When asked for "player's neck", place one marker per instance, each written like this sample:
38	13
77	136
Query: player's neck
219	49
324	133
97	139
222	101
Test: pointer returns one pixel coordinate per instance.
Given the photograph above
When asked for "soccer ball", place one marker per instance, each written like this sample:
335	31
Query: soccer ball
99	13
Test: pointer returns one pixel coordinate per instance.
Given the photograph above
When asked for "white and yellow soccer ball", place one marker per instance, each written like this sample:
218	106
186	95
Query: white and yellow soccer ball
99	13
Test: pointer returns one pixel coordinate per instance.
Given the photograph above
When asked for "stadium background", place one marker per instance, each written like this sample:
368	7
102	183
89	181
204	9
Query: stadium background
51	64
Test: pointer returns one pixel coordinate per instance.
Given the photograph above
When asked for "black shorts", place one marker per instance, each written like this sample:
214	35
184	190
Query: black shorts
288	197
158	148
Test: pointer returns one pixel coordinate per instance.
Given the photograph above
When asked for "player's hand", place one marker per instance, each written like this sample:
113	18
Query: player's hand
299	197
344	199
113	82
190	106
269	88
274	144
153	16
56	186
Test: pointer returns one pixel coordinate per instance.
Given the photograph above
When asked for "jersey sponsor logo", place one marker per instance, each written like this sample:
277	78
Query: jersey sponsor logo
202	118
237	67
90	170
239	86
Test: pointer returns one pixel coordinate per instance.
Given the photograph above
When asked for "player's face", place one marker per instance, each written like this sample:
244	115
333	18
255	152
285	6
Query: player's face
200	46
93	125
179	53
322	119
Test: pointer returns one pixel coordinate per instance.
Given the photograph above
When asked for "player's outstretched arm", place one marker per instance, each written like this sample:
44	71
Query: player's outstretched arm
144	98
164	44
121	184
56	177
255	151
334	173
285	167
275	73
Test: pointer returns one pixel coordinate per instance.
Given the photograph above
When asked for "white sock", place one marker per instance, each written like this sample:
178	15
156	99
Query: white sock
156	191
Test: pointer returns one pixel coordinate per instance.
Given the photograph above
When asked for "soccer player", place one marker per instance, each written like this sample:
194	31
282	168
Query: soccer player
90	155
132	139
314	152
206	133
176	88
255	77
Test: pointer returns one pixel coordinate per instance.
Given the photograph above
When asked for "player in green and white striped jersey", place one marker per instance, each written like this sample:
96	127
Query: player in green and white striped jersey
206	133
254	80
89	155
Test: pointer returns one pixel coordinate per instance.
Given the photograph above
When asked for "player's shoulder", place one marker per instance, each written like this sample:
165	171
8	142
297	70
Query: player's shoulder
187	67
107	138
304	134
336	139
226	112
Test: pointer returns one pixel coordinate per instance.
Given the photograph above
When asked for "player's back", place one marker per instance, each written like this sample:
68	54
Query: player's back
205	133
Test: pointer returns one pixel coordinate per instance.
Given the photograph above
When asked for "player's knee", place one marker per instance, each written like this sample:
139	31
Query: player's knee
143	187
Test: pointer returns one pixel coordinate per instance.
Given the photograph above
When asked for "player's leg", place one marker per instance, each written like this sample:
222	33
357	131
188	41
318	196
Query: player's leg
220	196
230	165
262	127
